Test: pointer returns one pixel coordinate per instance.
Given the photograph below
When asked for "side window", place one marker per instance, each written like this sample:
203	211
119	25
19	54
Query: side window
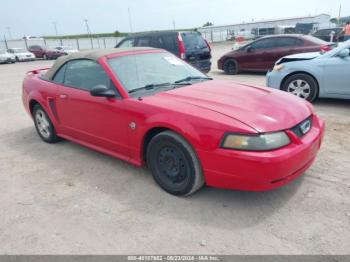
288	42
143	41
85	74
59	76
170	43
127	43
263	44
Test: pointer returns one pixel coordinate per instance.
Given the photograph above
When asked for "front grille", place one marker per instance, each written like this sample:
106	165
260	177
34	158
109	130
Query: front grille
303	128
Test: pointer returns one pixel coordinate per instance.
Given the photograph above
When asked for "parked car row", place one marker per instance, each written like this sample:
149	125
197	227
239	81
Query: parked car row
13	55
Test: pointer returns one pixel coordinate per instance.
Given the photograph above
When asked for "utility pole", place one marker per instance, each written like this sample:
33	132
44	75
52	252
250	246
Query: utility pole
174	25
55	27
339	16
5	42
130	20
89	32
9	32
56	31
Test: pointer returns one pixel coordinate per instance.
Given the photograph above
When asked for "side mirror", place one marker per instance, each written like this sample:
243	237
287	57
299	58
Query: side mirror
249	49
102	91
344	53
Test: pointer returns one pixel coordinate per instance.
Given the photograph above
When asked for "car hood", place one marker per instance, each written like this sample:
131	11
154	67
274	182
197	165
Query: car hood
263	109
299	57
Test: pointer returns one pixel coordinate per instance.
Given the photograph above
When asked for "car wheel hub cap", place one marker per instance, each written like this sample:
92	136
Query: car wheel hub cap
42	123
299	88
172	164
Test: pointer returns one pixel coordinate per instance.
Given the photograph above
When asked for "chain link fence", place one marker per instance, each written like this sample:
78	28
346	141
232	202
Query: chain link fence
79	43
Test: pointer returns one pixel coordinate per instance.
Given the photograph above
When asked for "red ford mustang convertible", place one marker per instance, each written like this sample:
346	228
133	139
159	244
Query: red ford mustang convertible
148	107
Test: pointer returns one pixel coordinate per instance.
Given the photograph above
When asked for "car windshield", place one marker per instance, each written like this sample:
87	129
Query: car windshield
152	70
19	50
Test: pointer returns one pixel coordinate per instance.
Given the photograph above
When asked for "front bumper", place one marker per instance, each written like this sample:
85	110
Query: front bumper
202	65
25	58
261	171
274	79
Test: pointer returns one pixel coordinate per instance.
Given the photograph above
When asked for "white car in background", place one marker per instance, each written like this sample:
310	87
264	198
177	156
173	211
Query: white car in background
21	54
67	49
6	57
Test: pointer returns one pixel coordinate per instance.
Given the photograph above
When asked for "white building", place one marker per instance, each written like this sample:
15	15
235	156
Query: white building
277	26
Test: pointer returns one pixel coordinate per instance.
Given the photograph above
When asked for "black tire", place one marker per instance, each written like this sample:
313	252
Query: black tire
49	136
174	164
308	89
17	59
230	67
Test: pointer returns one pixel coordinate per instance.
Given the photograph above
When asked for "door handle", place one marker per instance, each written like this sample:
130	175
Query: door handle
63	96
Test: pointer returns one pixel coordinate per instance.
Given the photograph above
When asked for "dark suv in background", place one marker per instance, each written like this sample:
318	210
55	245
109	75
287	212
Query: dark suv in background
325	34
189	46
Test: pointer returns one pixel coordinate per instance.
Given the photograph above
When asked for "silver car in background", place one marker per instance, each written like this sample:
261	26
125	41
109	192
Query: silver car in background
21	54
314	75
6	57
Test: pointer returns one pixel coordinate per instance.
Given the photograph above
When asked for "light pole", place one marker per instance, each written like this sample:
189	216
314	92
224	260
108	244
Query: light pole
130	20
55	27
56	31
89	32
9	32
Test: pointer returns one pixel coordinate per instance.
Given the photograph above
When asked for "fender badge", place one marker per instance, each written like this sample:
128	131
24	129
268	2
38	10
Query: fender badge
132	125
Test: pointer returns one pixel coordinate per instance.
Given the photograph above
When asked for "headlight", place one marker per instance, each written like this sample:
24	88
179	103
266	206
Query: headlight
264	142
278	67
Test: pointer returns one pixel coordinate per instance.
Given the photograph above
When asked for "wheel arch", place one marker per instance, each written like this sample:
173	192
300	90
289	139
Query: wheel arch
155	130
301	72
32	104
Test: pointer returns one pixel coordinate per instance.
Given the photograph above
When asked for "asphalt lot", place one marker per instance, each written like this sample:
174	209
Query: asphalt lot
67	199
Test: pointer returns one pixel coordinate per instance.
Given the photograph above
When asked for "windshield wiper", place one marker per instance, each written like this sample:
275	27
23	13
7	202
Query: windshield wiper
189	78
149	87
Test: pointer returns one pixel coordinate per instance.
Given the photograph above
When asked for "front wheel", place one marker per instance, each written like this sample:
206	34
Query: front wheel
44	126
174	164
230	67
301	85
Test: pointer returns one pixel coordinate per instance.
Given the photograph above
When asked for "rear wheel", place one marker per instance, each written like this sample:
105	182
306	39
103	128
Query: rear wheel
174	164
230	67
301	85
44	126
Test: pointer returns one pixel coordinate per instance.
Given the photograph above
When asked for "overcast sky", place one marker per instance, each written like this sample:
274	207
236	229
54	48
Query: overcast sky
36	17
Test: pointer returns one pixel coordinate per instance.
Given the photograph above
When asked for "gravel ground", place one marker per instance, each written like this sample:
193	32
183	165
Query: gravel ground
66	199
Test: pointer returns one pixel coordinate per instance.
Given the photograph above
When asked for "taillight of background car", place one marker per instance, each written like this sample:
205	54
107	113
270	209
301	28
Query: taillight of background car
182	48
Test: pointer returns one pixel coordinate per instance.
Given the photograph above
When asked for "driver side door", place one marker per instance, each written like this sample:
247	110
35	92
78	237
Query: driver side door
336	72
97	121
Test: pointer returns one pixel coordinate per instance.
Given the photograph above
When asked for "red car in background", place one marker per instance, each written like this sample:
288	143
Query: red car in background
262	54
188	129
45	52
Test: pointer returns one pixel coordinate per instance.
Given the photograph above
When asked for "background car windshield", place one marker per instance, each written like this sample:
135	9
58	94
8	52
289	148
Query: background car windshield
19	50
193	40
135	71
